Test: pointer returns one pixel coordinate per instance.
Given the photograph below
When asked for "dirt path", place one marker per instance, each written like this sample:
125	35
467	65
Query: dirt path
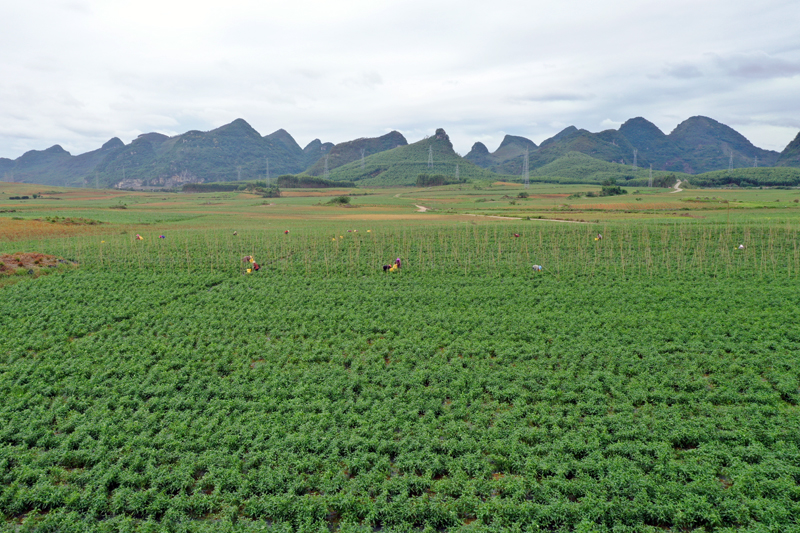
492	216
677	187
421	208
533	219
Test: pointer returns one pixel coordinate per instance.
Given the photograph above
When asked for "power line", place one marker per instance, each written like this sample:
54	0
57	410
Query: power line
526	173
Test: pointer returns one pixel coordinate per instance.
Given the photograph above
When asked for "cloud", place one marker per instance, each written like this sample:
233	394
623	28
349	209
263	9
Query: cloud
684	71
608	124
77	72
757	65
369	80
550	97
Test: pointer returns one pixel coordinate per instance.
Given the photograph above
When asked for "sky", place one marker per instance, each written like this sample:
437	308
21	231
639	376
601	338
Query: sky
79	72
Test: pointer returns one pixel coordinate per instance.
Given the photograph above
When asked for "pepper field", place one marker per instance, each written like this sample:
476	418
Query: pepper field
645	381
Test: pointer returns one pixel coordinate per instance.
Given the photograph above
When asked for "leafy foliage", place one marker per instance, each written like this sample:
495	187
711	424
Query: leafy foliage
301	181
576	167
397	402
749	177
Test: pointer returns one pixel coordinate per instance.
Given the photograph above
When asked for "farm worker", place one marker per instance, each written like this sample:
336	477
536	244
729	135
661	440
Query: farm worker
741	246
162	237
537	268
236	233
256	267
397	263
139	237
286	232
393	267
599	237
516	235
386	268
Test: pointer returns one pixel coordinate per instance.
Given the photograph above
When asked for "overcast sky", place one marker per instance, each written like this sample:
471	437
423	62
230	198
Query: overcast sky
78	72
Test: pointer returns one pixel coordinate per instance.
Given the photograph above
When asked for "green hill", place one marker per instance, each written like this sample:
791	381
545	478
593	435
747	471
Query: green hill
507	159
606	146
346	152
790	157
698	144
314	151
707	145
576	167
232	152
56	166
402	165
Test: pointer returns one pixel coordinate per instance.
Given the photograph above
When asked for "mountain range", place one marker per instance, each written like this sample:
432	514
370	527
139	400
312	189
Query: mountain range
696	145
236	151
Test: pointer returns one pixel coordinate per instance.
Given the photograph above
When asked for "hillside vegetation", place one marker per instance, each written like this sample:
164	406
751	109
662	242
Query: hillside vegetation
403	165
236	151
575	167
344	153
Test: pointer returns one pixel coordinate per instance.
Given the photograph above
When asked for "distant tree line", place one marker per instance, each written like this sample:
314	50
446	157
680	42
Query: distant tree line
287	181
436	180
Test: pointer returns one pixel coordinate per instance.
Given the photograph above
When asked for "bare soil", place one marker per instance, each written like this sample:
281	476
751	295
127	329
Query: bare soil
31	262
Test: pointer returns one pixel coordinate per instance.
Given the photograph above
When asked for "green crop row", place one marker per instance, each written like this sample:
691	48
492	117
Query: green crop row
564	250
141	400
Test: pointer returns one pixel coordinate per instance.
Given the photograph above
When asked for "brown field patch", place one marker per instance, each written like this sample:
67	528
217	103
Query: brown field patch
17	230
10	263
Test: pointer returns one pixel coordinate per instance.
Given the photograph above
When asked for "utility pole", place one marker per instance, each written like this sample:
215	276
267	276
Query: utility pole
635	152
730	162
526	173
267	160
430	157
96	183
755	162
362	159
326	173
456	171
239	173
650	180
